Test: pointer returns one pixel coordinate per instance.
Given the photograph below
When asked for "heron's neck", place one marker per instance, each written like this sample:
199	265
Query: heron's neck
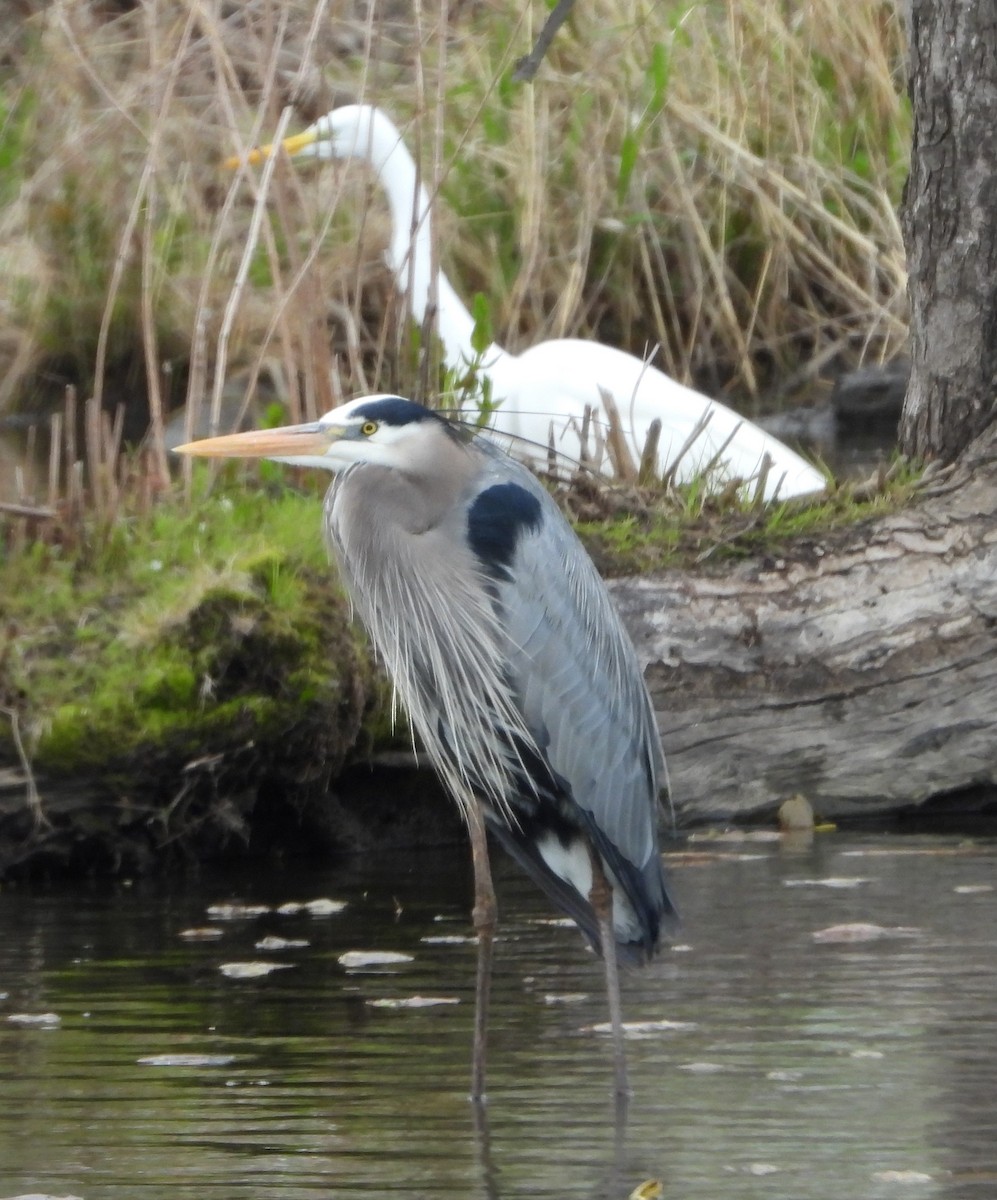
410	253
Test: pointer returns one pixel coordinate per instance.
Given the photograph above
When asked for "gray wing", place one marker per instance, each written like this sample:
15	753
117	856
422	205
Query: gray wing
577	680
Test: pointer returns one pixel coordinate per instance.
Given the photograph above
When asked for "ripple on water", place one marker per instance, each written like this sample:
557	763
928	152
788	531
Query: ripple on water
763	1062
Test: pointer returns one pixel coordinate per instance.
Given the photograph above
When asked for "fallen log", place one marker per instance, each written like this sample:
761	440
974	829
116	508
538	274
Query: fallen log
859	670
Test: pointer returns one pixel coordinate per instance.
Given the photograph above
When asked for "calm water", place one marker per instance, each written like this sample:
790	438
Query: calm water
795	1067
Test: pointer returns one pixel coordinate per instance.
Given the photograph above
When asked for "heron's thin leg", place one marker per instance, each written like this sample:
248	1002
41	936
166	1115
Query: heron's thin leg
484	918
601	899
483	1151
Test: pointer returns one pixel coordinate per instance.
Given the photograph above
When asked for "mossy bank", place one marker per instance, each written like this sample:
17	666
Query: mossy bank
170	681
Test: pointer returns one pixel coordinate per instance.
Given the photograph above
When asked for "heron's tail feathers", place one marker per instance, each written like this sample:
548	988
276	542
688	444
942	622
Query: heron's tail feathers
569	892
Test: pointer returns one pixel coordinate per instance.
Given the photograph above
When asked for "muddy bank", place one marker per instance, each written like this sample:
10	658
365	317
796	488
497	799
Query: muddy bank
83	829
178	686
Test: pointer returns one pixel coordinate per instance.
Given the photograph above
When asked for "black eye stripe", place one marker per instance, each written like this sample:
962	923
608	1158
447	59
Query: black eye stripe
393	410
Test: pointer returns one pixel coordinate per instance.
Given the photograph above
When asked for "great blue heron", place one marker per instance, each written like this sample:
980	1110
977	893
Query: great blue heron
548	387
509	658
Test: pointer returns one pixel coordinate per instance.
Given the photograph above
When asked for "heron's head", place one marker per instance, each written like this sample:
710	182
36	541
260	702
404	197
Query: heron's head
383	430
353	131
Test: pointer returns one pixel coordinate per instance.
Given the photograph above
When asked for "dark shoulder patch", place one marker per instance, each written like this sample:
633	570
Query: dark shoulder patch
497	519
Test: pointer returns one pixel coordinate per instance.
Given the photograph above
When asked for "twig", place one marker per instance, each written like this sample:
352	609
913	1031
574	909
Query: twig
527	67
717	458
584	457
752	523
34	800
668	478
758	499
54	458
648	468
619	452
26	510
242	274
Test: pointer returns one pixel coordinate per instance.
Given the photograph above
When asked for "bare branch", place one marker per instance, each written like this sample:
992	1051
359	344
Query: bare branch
527	67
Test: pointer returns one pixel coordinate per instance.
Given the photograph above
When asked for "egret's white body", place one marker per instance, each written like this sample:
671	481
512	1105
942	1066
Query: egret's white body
543	393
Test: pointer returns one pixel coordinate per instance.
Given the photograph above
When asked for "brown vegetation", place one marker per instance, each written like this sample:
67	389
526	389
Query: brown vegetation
719	181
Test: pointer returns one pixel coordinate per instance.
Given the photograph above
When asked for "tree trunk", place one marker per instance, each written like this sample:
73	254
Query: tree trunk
950	227
860	670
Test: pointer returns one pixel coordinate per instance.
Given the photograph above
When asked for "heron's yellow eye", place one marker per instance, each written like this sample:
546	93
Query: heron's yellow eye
368	428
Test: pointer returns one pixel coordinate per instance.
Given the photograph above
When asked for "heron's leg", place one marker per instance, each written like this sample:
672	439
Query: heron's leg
484	918
483	1151
601	899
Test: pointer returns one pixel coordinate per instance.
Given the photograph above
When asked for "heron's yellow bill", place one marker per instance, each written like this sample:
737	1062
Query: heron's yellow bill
292	145
288	441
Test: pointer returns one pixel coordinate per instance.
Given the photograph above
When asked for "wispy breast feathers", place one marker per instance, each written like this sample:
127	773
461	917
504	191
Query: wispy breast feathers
497	519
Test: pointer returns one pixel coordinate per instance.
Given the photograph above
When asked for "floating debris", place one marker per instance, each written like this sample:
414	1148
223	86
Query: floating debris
236	912
356	960
322	907
565	997
706	858
448	939
201	933
833	881
413	1001
796	814
279	943
643	1029
45	1020
735	835
762	1169
650	1189
902	1176
973	889
40	1196
908	852
186	1060
860	931
252	970
554	922
703	1068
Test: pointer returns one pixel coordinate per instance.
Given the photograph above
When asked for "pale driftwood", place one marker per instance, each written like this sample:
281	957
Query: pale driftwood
860	671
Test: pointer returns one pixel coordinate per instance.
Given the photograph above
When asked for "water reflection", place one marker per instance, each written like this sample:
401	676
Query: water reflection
764	1061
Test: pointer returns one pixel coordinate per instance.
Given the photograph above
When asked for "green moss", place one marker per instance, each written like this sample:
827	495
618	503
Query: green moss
689	529
179	636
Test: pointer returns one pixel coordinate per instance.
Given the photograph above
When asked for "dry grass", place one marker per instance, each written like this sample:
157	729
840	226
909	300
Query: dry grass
719	179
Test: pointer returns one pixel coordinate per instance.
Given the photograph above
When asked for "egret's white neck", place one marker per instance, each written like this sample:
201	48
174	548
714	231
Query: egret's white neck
410	251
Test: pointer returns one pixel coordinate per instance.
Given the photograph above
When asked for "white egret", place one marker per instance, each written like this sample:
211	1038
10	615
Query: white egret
543	392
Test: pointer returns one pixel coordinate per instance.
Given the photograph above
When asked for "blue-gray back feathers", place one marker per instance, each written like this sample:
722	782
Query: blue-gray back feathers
577	682
511	661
